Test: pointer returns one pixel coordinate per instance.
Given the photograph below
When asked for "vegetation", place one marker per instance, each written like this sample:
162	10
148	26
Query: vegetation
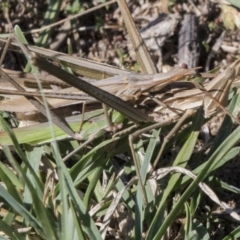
56	187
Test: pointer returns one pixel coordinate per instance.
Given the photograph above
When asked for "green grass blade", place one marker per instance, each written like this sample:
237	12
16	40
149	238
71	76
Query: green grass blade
235	3
181	161
45	217
69	189
93	179
235	234
227	124
144	171
11	176
10	232
21	210
89	162
10	185
34	156
219	153
50	17
79	231
39	134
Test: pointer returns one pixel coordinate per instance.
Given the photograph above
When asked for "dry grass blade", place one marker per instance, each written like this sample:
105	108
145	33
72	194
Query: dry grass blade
135	86
47	95
220	87
61	123
160	173
83	67
139	46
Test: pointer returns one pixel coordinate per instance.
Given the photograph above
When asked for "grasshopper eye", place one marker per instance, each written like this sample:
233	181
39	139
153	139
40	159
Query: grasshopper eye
230	73
233	70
